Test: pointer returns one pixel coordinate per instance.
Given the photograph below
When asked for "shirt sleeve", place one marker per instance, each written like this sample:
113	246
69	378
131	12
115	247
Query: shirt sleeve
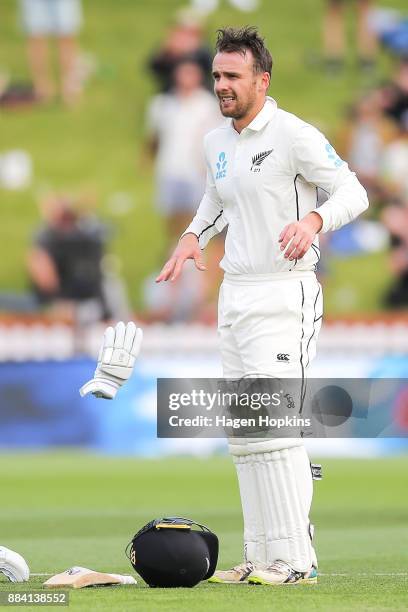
209	219
314	158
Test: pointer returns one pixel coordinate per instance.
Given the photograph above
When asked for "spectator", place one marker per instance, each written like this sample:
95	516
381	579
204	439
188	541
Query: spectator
395	215
208	6
188	299
334	39
61	19
184	40
394	168
362	139
177	122
395	96
178	302
65	262
395	219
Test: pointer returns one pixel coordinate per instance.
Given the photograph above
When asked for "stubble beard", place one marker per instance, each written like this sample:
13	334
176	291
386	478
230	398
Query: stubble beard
240	109
235	113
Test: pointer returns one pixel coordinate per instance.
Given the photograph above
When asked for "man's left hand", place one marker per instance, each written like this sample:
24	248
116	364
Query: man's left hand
297	237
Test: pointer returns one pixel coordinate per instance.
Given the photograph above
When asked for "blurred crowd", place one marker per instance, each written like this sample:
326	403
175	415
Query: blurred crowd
374	140
45	24
335	34
68	266
176	122
69	269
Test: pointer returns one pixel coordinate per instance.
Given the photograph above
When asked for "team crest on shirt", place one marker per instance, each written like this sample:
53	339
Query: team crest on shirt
221	166
258	159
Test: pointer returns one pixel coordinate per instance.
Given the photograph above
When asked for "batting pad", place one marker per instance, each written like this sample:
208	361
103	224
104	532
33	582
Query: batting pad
254	529
284	493
79	577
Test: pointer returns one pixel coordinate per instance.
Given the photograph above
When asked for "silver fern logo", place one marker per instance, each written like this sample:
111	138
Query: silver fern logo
258	159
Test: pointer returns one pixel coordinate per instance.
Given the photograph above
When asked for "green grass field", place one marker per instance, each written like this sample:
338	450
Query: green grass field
97	148
64	509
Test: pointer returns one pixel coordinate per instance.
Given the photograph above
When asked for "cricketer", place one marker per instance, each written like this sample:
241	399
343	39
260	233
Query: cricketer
263	169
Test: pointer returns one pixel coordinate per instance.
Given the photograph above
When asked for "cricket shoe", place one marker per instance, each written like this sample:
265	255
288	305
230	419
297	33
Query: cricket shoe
235	575
281	573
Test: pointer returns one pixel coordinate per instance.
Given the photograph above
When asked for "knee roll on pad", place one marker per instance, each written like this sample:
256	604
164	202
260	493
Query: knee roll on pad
250	446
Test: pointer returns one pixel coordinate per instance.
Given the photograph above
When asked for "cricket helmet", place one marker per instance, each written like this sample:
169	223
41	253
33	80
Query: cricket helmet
173	552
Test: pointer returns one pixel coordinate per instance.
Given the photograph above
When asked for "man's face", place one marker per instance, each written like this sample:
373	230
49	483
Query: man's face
236	86
188	76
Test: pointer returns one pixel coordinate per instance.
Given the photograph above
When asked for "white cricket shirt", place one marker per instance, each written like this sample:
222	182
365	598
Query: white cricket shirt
260	180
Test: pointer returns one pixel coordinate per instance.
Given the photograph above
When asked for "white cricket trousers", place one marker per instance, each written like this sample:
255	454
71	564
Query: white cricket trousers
268	327
268	324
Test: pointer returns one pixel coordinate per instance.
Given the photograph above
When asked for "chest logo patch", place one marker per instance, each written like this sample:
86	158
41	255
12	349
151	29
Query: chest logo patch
258	159
221	166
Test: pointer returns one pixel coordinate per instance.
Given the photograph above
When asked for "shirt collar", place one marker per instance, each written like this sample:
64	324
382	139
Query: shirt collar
264	116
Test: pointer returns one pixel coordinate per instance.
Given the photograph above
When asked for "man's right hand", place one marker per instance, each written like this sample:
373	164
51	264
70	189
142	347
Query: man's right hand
187	248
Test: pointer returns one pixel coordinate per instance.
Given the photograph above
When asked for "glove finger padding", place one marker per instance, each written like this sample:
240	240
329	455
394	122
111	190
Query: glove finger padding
136	346
137	342
130	335
120	331
106	350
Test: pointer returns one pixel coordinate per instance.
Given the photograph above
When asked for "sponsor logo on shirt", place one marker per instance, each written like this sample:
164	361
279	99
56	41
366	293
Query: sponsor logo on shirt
258	159
332	155
282	357
221	166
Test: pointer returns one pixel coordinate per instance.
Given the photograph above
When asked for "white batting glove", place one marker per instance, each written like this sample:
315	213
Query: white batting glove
116	360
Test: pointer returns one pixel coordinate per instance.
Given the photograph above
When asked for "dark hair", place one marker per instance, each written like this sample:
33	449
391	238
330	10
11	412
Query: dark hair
240	40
